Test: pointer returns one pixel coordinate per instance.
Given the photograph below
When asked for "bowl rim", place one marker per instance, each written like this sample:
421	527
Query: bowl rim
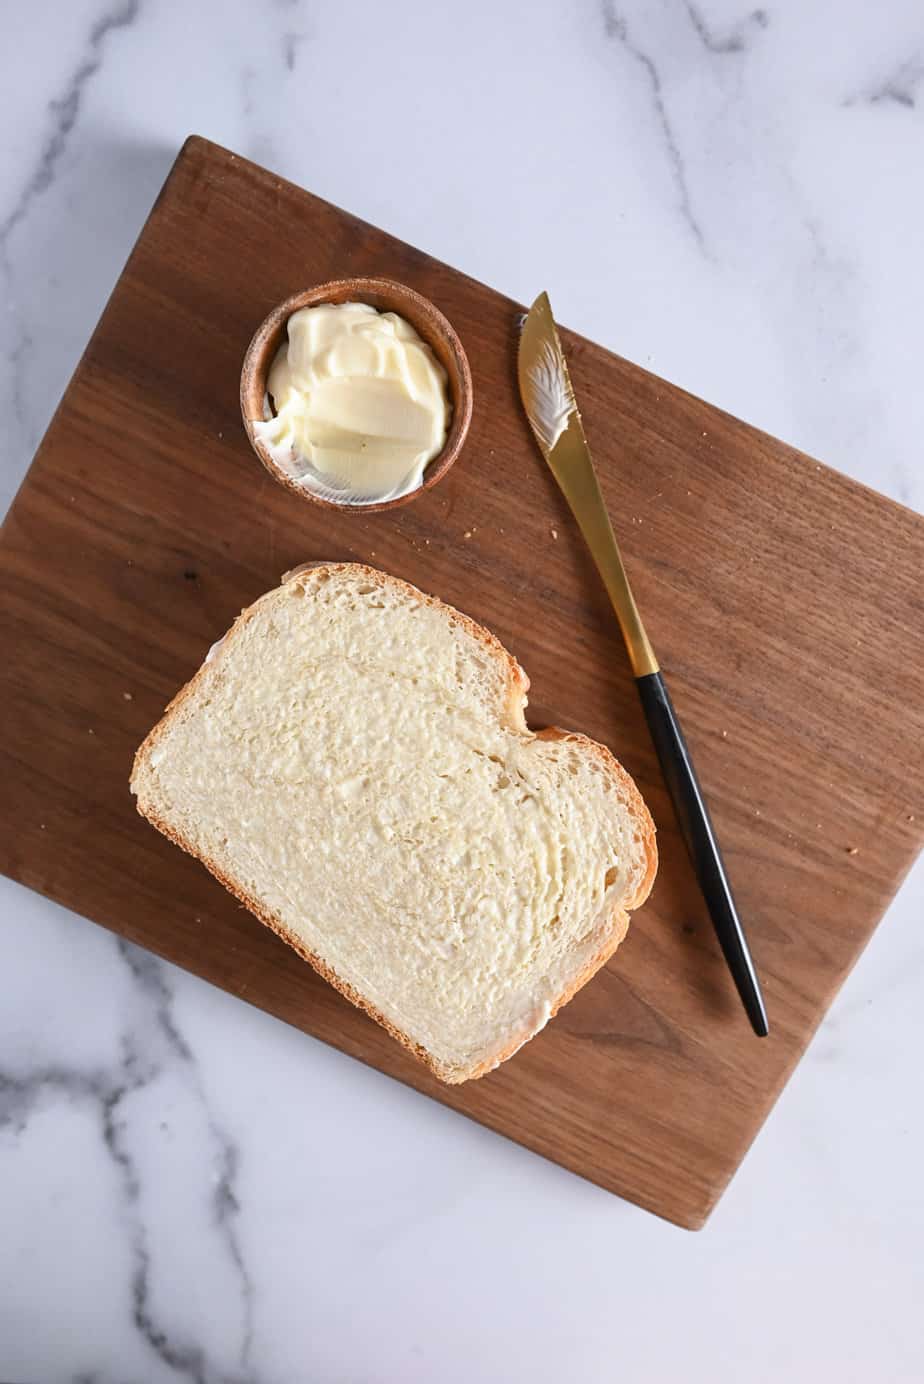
393	296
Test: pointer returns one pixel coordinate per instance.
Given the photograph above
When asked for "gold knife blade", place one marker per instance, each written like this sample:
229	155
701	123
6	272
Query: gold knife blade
545	388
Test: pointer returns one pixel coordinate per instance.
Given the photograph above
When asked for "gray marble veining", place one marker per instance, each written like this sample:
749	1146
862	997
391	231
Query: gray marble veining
64	110
616	28
729	39
150	1046
732	197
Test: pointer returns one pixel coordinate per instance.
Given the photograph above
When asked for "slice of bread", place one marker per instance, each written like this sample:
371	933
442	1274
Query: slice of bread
353	763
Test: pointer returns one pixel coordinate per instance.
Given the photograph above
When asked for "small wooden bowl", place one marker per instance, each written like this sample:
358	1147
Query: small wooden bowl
387	296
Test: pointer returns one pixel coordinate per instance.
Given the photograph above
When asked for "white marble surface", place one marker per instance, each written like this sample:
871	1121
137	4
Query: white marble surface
732	197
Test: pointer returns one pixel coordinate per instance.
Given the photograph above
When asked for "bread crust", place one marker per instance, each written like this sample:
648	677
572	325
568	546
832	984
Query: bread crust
517	686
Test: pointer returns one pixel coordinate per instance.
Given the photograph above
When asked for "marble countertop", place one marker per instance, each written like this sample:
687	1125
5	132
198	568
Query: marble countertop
731	197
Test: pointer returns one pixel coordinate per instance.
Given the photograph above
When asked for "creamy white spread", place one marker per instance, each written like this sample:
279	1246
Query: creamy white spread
551	397
359	404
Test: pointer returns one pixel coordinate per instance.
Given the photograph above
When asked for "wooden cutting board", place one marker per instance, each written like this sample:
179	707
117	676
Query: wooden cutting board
784	600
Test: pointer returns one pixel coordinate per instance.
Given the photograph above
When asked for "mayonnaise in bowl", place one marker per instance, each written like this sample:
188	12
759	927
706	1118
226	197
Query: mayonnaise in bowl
357	404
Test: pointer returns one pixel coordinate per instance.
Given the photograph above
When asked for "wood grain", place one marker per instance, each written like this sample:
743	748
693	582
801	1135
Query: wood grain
784	601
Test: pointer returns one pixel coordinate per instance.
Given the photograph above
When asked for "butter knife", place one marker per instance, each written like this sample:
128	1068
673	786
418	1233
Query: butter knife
551	407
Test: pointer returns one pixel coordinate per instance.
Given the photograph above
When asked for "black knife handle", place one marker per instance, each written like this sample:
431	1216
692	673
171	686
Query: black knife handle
696	828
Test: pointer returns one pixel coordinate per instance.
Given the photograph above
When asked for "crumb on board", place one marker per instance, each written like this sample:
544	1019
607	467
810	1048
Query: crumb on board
853	850
467	533
724	734
554	533
910	817
90	731
127	696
